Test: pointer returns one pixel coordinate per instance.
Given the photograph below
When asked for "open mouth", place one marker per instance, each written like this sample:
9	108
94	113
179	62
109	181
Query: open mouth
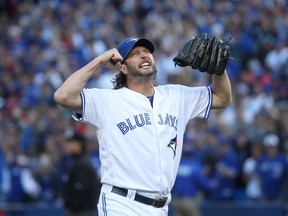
145	65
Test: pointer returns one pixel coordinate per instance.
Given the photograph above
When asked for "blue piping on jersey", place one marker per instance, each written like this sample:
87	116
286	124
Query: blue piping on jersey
104	204
80	117
206	116
83	104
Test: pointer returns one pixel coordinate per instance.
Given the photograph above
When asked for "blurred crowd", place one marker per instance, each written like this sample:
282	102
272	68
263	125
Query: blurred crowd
239	153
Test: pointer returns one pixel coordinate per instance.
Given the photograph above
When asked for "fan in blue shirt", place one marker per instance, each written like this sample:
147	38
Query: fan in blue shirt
272	169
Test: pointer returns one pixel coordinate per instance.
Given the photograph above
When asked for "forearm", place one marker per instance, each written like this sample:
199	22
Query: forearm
222	92
77	81
68	94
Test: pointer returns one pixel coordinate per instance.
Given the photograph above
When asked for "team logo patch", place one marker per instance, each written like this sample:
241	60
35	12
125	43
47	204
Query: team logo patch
133	39
173	145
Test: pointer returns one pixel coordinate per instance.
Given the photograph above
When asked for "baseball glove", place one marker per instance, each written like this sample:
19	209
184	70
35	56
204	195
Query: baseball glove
206	54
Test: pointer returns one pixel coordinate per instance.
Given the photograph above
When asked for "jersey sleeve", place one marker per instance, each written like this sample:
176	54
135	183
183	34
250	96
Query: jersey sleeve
198	101
95	105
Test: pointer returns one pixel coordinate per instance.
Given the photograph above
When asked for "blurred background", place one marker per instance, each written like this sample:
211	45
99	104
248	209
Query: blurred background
235	163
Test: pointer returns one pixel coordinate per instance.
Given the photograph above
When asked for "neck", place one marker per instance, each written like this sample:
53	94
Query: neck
142	85
147	89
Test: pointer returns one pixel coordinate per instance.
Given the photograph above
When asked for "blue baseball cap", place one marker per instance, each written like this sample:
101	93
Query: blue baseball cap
128	44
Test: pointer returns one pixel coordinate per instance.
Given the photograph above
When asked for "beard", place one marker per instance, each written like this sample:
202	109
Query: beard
134	72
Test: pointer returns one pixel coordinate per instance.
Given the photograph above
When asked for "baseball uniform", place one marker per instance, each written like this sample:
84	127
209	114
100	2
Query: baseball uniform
140	145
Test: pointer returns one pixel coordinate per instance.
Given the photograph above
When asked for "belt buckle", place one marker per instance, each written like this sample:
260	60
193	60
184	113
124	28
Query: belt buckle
159	202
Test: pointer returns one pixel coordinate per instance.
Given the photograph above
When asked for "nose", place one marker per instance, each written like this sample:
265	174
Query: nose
143	54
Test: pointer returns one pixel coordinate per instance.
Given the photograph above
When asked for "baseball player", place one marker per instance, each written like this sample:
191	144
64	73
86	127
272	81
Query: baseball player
139	126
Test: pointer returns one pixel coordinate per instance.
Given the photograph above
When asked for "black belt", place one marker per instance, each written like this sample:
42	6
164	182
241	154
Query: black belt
157	202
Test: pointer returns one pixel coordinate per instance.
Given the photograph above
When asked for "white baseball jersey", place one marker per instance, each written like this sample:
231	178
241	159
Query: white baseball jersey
140	145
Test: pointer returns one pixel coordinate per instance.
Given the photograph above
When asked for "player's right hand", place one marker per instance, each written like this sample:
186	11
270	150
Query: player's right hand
111	58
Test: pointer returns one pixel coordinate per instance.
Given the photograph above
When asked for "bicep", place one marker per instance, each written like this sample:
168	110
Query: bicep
76	105
73	103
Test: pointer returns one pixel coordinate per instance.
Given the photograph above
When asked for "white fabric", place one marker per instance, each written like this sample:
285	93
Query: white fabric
111	204
134	137
29	184
253	188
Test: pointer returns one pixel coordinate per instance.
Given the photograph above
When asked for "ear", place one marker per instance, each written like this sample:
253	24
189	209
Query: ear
123	69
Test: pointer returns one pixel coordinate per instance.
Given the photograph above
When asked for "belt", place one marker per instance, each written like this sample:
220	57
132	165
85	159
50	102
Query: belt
158	202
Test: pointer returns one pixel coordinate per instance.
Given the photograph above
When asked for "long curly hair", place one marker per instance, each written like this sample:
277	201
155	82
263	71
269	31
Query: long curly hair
119	80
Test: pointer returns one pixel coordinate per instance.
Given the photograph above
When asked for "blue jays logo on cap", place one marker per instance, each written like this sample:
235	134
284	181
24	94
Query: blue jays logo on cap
128	44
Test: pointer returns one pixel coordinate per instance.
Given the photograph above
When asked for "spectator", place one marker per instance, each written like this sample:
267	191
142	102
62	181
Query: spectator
46	176
80	183
250	176
272	169
23	187
190	184
226	173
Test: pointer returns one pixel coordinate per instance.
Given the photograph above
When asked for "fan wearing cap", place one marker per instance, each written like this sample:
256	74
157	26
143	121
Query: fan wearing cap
272	169
139	126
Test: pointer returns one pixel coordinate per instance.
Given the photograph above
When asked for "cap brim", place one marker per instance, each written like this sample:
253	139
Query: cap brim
146	43
141	42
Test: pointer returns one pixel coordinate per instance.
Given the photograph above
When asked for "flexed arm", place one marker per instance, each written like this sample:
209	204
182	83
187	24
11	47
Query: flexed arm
68	94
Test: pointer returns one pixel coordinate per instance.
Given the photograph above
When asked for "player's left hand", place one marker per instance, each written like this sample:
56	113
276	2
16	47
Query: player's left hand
207	54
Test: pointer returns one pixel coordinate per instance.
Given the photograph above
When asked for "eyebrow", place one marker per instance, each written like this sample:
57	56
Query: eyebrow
144	48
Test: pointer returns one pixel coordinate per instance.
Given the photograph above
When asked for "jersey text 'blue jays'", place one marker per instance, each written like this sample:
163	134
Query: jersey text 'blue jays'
145	119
